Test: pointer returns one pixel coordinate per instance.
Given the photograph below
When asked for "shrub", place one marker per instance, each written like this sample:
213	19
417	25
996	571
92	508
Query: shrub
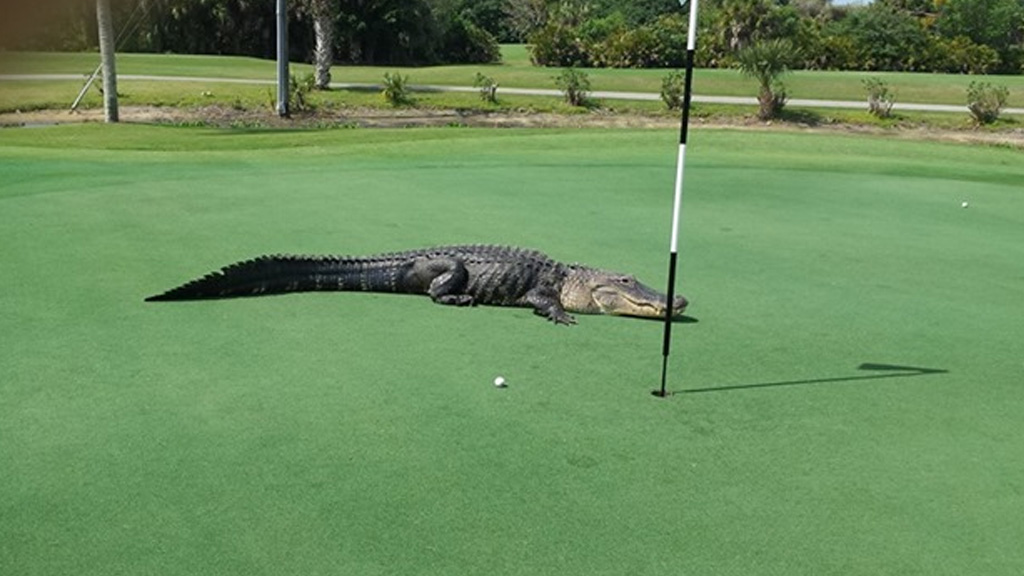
555	45
298	92
986	101
880	98
766	61
634	48
463	42
961	55
672	87
396	89
575	86
610	42
488	88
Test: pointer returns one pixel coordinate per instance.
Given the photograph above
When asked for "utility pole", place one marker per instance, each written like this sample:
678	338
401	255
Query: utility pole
107	49
282	58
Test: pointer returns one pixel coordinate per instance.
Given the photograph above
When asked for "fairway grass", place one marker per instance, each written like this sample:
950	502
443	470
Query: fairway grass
346	433
516	71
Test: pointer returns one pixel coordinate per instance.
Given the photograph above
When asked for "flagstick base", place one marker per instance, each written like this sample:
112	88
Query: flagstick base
661	392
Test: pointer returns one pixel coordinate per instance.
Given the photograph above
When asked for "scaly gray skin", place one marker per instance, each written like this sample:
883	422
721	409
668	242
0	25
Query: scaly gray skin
453	275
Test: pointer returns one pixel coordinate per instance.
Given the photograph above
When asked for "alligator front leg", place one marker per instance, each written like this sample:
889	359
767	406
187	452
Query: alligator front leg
448	280
545	302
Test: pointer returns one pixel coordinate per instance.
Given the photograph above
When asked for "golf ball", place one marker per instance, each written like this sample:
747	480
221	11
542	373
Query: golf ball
963	204
499	382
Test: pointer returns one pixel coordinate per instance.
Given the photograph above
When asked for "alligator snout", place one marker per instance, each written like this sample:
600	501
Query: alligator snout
679	304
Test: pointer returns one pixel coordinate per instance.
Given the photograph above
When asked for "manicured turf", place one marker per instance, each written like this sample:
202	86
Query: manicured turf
361	434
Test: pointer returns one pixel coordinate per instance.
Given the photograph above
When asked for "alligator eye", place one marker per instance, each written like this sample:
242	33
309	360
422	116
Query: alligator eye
625	280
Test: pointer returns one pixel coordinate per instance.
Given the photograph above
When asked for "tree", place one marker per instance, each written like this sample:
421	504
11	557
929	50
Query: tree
488	15
740	20
463	42
107	48
766	61
324	14
396	32
998	24
730	25
526	17
884	38
637	12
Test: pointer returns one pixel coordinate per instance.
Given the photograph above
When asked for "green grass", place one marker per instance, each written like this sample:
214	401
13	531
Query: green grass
516	71
361	434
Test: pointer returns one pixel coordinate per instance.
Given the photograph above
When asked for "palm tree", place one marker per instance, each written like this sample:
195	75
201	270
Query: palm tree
324	14
107	48
766	61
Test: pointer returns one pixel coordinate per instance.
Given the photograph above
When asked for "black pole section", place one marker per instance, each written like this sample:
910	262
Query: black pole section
673	257
674	250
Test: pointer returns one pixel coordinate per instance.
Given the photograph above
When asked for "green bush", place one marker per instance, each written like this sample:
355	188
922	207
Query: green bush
635	48
960	55
986	101
766	61
555	45
396	89
466	43
880	98
609	42
488	88
299	90
672	87
575	86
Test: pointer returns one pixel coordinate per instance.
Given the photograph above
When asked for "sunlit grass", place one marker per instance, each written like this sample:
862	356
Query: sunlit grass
515	70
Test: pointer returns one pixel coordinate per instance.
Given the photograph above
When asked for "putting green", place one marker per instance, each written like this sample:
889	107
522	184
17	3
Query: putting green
361	433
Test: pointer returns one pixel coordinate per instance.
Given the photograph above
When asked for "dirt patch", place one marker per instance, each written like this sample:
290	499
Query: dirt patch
227	117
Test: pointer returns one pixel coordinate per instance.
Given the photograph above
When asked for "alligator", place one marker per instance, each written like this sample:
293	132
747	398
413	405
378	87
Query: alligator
453	275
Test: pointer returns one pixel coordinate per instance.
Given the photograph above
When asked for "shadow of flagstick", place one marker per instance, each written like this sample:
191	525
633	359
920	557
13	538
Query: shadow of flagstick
891	371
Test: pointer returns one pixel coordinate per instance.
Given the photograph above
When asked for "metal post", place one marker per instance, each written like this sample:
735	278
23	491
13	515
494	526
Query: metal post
282	58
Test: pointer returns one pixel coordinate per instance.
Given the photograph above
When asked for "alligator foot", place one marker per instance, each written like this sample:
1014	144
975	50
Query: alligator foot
455	300
558	316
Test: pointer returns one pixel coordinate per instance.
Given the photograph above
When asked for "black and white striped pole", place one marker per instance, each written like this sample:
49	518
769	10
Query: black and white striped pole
691	45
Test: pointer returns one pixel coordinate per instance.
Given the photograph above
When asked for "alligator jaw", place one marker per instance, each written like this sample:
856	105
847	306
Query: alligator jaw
593	291
638	301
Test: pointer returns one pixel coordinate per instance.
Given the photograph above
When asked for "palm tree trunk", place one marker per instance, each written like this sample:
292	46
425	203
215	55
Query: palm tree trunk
107	49
323	29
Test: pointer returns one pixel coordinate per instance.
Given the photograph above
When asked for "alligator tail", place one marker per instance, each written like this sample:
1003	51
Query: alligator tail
283	274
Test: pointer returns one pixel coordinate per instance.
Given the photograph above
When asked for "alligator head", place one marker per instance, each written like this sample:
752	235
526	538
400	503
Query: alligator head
593	291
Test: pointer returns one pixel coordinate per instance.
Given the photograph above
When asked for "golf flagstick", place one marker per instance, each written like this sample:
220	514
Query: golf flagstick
691	44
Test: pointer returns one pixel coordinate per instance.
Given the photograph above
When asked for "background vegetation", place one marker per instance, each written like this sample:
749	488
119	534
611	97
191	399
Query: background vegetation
966	36
246	84
962	36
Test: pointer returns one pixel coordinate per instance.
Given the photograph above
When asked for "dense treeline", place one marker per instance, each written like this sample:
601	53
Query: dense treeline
969	36
401	32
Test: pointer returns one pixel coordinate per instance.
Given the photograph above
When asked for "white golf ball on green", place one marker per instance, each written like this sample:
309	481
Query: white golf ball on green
500	382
